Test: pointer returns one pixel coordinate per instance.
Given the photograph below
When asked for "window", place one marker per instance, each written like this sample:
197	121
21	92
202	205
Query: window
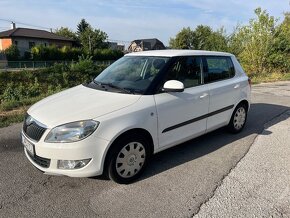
31	44
218	68
134	73
187	70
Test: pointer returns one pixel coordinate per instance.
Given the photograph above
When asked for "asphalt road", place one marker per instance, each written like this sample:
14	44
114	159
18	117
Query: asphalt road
259	186
175	184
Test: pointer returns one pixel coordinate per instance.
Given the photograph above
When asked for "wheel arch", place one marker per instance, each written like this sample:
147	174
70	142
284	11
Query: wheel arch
245	102
136	131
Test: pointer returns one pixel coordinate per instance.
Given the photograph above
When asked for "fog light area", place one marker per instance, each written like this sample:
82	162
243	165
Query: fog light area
72	164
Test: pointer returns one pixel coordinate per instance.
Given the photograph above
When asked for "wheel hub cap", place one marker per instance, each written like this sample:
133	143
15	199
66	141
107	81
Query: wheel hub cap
130	159
239	118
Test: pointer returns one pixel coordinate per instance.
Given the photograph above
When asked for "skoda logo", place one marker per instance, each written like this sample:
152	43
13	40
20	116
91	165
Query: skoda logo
28	120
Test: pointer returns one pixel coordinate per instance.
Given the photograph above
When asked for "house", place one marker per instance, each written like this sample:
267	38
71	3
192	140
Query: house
116	46
25	39
145	44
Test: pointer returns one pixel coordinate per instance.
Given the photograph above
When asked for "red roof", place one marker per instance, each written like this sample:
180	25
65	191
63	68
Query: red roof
32	33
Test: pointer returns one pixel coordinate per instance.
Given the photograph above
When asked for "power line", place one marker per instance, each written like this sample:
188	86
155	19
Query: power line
5	20
26	24
47	28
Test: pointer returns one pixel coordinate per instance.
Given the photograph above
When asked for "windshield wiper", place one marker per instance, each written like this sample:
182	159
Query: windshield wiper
111	85
97	83
129	91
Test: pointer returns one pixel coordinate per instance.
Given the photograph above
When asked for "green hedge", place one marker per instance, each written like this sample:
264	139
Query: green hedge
45	53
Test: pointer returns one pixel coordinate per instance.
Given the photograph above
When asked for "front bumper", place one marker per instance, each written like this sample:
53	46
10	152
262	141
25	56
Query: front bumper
47	155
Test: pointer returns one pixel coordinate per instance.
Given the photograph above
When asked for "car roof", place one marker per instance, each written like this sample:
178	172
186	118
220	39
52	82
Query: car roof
176	53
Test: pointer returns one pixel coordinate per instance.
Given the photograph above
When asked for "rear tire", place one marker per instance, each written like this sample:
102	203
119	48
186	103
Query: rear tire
128	159
238	119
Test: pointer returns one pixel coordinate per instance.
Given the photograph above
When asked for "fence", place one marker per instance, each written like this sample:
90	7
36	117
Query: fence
6	65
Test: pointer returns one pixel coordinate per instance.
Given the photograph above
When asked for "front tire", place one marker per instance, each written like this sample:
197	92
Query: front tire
238	119
128	159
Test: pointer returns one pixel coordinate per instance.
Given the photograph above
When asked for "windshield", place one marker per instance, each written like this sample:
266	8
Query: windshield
132	73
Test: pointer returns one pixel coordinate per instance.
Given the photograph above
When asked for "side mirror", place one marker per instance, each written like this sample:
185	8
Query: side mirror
173	86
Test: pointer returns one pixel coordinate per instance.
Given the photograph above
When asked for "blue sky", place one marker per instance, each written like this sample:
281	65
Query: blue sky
131	19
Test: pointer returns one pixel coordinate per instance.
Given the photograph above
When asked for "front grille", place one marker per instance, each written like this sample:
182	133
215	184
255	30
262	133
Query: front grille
32	129
41	161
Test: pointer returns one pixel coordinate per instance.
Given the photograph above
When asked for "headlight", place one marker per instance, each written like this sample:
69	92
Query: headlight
72	132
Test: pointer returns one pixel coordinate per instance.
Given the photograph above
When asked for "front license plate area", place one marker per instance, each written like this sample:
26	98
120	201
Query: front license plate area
28	145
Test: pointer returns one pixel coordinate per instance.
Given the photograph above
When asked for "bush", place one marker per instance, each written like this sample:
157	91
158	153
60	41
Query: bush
84	70
43	53
17	92
107	54
12	53
25	87
13	92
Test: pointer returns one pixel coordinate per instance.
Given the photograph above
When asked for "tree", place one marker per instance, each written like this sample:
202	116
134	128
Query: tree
280	49
66	32
183	39
92	39
82	26
12	53
255	41
202	38
218	40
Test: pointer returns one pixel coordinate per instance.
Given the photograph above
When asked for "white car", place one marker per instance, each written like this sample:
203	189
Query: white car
140	105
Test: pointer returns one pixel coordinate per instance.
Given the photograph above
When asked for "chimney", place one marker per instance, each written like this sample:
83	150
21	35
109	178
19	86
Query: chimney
13	25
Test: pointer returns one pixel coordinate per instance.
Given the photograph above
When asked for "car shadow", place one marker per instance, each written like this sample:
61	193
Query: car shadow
258	116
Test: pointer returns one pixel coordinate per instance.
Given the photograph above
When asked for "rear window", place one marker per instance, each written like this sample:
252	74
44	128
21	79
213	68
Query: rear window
218	68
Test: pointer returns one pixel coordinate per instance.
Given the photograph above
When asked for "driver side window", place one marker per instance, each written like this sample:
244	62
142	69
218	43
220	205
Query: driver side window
187	70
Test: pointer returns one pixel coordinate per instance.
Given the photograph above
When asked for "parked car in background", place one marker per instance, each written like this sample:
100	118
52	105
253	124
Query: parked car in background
142	104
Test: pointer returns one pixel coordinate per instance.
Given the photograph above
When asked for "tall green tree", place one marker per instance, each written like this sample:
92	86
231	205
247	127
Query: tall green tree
82	26
280	49
183	39
202	38
66	32
92	39
255	41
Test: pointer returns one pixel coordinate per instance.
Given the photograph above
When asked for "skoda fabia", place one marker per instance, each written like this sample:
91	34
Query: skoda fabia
140	105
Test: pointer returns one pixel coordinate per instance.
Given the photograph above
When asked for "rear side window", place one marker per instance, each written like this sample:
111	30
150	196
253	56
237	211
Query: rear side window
218	68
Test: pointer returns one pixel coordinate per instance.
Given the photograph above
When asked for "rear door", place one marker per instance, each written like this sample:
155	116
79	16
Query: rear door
224	89
181	114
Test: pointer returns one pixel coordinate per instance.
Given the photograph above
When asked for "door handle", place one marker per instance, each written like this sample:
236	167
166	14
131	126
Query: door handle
203	95
236	86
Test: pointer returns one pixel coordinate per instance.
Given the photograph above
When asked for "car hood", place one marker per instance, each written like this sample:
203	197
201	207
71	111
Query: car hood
79	103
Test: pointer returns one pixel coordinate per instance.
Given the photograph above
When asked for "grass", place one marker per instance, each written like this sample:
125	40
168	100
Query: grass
10	118
273	77
10	105
14	111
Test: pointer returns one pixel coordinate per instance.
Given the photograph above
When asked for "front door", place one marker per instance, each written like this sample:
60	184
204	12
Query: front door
182	115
